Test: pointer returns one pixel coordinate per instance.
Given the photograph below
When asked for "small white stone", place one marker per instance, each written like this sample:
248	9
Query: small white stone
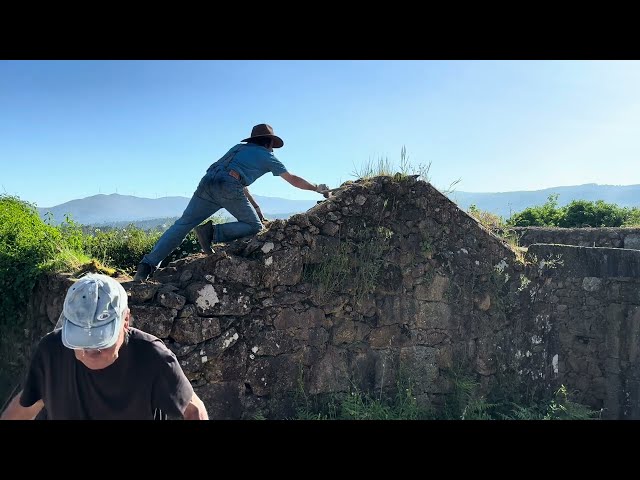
207	296
501	266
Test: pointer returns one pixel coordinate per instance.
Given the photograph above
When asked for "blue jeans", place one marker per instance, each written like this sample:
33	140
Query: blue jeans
216	190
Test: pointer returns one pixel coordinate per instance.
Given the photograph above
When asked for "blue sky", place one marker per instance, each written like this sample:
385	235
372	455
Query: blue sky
71	129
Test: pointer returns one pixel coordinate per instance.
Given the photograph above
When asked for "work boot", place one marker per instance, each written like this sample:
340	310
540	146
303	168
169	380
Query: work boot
204	233
143	272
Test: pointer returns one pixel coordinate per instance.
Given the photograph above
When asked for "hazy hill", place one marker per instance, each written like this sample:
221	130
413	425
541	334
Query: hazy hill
122	209
115	208
506	203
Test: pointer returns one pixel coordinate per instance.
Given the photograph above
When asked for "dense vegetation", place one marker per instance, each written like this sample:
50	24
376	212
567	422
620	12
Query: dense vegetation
577	214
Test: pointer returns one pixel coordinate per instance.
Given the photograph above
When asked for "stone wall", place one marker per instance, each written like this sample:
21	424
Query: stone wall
592	300
385	275
389	276
583	237
18	340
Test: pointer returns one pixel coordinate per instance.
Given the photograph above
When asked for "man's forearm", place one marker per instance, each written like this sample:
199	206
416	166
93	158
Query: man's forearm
15	411
301	183
196	409
250	198
254	203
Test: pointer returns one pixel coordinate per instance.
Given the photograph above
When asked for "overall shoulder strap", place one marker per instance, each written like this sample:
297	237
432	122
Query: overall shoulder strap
231	156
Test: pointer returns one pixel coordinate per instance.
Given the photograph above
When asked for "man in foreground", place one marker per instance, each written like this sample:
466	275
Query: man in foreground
95	366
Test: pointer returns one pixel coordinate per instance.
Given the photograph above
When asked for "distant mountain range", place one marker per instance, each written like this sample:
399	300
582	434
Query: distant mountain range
115	209
507	203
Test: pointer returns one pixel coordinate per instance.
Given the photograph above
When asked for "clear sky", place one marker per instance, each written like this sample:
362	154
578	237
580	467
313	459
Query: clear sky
71	129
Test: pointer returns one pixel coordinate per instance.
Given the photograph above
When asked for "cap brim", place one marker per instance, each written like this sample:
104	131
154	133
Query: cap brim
76	337
279	143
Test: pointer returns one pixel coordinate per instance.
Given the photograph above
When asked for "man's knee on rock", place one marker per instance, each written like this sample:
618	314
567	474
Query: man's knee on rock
255	228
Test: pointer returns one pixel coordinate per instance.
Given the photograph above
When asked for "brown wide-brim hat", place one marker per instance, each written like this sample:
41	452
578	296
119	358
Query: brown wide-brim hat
265	131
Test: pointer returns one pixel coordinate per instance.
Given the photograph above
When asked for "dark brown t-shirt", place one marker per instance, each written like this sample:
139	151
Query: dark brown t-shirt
146	376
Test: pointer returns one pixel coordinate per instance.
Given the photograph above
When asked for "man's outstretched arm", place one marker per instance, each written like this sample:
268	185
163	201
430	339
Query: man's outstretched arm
302	184
15	411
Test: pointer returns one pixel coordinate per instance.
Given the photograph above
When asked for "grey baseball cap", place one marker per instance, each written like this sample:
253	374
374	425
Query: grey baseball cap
93	312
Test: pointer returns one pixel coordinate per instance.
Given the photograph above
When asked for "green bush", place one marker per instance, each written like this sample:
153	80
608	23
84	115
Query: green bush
546	215
26	245
119	248
633	220
72	234
577	214
123	248
581	213
493	222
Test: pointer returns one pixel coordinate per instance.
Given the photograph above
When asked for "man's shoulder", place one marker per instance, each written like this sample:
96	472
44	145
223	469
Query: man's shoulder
148	342
51	347
254	150
141	336
52	340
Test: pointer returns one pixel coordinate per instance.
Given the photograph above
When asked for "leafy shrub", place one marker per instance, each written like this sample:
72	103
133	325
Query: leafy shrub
546	215
490	220
581	213
26	244
578	213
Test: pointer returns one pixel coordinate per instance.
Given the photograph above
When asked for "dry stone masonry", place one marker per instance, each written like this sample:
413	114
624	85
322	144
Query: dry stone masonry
583	237
389	278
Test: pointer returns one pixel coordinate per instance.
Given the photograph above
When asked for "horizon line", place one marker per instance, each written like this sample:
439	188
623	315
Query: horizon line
310	200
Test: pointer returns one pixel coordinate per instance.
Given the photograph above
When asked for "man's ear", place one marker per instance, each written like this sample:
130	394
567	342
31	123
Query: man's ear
127	319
